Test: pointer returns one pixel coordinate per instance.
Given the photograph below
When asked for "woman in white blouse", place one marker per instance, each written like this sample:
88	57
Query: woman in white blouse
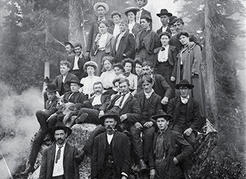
133	26
108	75
90	68
133	79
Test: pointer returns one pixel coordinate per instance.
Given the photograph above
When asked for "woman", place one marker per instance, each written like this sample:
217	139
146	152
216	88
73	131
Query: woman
133	26
103	45
166	58
128	65
138	67
119	70
189	67
90	68
108	75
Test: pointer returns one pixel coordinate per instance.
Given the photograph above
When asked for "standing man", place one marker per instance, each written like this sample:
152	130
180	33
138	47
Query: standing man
111	152
100	9
164	17
61	160
115	28
142	11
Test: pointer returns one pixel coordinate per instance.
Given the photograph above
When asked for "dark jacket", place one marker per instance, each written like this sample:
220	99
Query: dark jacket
193	117
50	106
126	47
175	146
174	41
79	99
104	99
136	28
71	162
161	87
159	31
120	153
66	87
154	106
79	73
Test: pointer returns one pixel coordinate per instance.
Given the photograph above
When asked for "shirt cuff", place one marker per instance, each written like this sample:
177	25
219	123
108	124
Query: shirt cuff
124	174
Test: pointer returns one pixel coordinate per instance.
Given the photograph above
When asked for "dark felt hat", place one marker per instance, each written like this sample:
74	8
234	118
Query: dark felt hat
61	126
164	12
131	9
162	114
75	81
51	88
109	115
184	83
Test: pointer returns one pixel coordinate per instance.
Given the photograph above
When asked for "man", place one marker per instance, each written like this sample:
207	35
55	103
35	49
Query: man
101	9
69	49
185	111
115	28
42	116
142	11
169	151
111	152
124	46
164	16
61	160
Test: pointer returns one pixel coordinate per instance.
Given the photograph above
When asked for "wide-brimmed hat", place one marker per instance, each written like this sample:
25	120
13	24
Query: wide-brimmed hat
51	88
115	13
90	63
131	9
103	4
162	114
61	126
164	12
145	2
75	81
109	115
184	83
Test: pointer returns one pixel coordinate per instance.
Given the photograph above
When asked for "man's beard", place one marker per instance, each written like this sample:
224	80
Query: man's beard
60	141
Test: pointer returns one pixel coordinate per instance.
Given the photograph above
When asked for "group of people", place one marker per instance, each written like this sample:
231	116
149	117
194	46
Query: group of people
143	90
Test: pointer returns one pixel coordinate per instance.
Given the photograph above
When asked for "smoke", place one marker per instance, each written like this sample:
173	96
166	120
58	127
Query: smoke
18	124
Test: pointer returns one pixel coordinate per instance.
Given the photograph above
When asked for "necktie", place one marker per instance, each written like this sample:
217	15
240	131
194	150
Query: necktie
58	155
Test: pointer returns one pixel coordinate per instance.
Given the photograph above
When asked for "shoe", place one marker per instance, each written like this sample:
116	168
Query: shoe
81	119
29	169
142	164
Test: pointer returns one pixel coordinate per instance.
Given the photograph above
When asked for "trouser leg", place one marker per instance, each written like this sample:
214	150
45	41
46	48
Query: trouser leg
136	141
148	141
42	119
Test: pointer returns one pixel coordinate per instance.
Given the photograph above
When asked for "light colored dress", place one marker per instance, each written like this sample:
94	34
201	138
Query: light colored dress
88	83
107	78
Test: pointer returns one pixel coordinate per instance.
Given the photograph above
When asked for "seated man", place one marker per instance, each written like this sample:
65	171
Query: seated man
42	116
90	115
169	151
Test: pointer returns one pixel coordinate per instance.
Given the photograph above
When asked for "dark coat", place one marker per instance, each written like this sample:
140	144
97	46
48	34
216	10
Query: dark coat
70	162
104	99
79	73
66	87
174	41
159	31
154	106
193	117
176	146
136	29
161	87
120	152
79	99
131	108
126	47
145	13
50	106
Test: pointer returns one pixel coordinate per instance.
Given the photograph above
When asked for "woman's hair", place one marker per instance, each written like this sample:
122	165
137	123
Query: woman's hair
119	65
107	58
166	34
128	60
138	61
104	22
66	63
123	80
184	34
147	63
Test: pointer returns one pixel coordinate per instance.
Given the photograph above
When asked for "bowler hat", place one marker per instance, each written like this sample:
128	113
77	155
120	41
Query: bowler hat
103	4
76	80
131	9
162	114
90	63
61	126
184	83
51	88
164	12
109	115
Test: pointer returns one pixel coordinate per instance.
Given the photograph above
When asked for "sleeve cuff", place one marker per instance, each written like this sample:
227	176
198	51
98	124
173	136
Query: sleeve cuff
124	174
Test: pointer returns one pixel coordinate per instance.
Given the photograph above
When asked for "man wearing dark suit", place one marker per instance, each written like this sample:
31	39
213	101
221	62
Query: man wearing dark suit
164	17
178	23
124	46
111	152
77	61
61	160
142	11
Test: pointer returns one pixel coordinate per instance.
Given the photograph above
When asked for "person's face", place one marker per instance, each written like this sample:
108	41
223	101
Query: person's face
107	65
51	95
131	16
116	19
144	23
184	40
124	88
162	123
103	28
140	3
90	70
138	69
164	40
146	70
118	71
123	27
77	50
164	19
74	87
68	48
184	92
128	67
60	136
101	11
64	69
173	29
179	26
147	86
98	88
110	124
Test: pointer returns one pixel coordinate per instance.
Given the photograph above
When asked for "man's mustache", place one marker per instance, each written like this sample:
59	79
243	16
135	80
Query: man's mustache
109	127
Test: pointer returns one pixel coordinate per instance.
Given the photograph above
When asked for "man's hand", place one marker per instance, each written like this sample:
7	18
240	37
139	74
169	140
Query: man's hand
188	131
101	113
175	161
148	124
172	78
123	117
164	101
138	125
152	174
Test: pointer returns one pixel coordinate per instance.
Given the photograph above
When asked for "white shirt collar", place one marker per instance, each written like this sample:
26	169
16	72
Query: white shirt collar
110	138
148	95
184	100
